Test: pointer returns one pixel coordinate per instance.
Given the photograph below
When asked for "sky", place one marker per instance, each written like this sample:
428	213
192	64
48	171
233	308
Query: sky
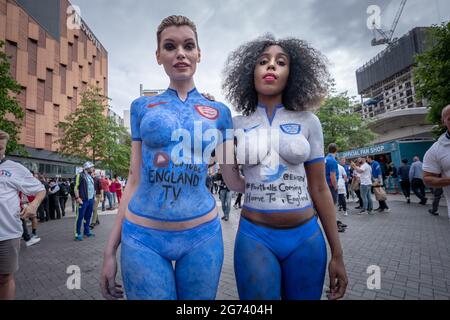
127	29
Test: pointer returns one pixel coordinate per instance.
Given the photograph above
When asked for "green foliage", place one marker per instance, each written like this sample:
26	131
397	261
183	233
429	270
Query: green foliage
91	135
342	124
9	105
118	150
432	74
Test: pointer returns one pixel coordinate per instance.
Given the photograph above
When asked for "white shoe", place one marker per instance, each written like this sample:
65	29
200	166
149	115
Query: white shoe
33	241
345	213
386	210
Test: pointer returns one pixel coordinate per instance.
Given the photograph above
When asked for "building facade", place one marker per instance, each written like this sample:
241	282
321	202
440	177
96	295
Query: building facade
388	99
385	83
54	60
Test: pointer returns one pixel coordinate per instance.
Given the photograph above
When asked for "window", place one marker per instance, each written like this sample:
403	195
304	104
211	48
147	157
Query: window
75	49
70	58
49	86
32	57
11	52
40	97
48	143
62	72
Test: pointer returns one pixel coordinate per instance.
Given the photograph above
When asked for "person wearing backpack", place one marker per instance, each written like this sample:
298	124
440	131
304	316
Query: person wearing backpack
72	194
63	195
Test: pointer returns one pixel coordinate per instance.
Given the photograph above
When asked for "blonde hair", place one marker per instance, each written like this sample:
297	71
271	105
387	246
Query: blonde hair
4	135
176	21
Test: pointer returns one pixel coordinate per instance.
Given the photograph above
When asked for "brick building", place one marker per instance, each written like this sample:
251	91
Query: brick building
53	63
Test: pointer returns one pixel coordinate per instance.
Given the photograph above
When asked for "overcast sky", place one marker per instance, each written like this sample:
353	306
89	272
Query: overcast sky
127	29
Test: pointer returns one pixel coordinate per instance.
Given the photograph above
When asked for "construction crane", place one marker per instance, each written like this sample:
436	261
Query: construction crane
386	36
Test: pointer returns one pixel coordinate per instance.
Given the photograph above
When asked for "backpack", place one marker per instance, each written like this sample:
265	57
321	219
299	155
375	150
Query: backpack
63	189
72	189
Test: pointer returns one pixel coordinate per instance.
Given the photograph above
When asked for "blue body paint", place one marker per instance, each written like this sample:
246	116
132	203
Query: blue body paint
171	191
280	263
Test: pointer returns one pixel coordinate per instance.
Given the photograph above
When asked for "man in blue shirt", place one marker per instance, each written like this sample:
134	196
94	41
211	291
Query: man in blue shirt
377	177
331	167
332	174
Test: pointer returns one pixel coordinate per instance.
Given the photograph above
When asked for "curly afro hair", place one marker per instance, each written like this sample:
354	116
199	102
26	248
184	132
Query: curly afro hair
308	78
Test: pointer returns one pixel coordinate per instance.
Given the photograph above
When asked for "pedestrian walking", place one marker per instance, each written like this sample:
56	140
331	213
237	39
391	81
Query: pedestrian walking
14	178
416	178
436	163
403	176
85	195
365	172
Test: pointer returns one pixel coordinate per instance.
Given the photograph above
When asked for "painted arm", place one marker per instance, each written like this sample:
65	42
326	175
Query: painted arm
323	202
110	289
226	158
434	180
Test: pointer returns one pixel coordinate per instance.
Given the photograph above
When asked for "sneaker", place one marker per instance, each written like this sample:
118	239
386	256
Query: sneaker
97	223
79	238
32	241
223	218
379	209
362	212
370	212
340	224
386	210
345	213
341	229
434	213
358	207
91	226
89	235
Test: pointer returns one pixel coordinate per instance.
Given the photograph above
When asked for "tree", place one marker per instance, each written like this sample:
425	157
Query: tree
342	124
86	129
9	106
89	134
118	150
432	74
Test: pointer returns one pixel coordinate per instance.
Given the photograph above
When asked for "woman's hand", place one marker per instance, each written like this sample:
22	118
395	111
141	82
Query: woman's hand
338	278
110	289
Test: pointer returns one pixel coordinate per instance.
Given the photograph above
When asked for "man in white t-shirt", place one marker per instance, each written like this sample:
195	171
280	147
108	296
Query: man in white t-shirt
14	178
436	163
365	172
342	191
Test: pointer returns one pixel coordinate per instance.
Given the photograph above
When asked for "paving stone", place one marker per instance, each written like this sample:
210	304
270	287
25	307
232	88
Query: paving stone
411	248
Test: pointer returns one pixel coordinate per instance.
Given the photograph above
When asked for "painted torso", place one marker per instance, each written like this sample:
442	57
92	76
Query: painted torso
275	177
172	183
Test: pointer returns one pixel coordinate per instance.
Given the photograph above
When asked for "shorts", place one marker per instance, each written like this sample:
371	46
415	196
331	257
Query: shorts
9	256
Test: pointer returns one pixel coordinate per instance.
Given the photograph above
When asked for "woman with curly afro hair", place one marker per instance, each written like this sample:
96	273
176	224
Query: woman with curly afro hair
280	251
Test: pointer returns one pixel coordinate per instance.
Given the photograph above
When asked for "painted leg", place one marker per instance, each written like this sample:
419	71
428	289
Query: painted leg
304	270
146	275
257	270
197	274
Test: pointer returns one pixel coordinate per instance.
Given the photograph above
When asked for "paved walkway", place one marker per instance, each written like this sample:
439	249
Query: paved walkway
411	247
